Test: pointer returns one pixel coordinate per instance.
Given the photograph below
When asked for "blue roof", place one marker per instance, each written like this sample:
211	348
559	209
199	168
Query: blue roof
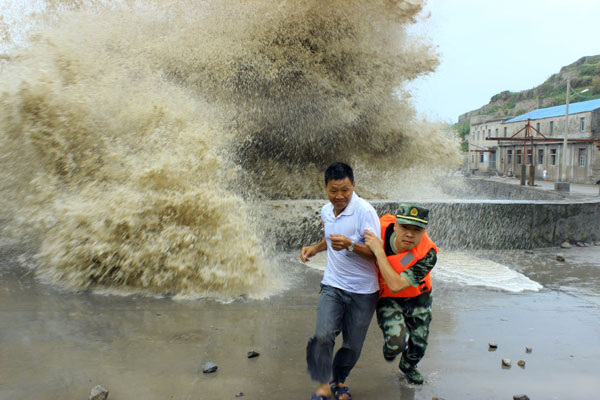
558	111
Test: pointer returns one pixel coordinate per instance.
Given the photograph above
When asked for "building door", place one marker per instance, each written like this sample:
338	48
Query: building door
492	160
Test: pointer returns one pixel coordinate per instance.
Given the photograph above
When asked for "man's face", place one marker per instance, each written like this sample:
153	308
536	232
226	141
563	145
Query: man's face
339	192
407	236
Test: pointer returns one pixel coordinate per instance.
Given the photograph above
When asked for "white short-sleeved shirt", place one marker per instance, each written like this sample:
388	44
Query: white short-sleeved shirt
345	269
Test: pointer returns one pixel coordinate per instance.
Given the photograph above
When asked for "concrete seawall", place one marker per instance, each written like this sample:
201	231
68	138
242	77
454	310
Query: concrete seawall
474	224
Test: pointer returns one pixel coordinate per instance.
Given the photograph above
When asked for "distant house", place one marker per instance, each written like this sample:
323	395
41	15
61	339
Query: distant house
499	146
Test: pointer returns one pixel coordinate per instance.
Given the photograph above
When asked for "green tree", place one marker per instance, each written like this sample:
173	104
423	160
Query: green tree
463	128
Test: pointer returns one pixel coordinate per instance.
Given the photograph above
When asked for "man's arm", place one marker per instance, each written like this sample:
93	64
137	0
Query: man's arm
309	251
341	242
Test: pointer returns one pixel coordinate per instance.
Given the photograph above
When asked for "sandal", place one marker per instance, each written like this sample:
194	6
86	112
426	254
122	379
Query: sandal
338	392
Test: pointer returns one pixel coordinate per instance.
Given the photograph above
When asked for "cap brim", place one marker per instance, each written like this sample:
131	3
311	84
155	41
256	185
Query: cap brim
404	221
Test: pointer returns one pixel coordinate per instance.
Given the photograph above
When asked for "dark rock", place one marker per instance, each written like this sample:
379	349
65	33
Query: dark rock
560	258
98	393
209	367
240	394
252	354
521	363
529	252
527	349
492	346
520	397
506	362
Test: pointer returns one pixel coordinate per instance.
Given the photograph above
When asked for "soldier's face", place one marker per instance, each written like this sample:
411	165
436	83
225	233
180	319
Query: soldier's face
407	236
339	192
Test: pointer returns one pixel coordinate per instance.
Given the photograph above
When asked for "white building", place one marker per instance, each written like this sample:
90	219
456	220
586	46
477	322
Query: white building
536	138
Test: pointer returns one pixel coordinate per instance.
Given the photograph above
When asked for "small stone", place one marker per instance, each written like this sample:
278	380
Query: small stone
98	393
527	349
586	244
521	363
560	258
240	394
252	354
506	362
492	346
209	367
520	397
529	252
580	244
565	245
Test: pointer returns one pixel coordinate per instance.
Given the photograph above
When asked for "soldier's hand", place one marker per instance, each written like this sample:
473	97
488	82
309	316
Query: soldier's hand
373	242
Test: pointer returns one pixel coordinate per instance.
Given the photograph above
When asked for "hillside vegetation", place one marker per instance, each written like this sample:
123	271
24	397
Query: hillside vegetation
584	74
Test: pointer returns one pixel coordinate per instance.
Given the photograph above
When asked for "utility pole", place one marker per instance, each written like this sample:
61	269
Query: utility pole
563	164
563	185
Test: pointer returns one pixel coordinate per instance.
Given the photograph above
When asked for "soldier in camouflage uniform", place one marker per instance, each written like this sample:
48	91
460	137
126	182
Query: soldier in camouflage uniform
405	258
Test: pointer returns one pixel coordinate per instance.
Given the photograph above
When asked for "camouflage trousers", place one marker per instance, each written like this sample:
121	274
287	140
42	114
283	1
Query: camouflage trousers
405	326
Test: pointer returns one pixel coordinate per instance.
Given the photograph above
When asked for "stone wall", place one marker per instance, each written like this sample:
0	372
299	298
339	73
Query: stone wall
476	224
504	223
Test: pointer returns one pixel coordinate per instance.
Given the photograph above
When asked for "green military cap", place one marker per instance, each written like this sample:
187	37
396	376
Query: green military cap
412	214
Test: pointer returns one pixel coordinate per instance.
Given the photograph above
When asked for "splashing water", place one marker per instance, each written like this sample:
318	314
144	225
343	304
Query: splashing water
134	136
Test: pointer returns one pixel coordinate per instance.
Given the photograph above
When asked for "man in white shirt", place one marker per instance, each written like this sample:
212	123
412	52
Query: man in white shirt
350	287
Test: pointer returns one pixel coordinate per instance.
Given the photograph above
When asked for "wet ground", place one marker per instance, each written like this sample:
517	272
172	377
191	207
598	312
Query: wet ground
58	345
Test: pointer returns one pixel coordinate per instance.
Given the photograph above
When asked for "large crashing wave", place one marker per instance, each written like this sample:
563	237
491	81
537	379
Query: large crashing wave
133	137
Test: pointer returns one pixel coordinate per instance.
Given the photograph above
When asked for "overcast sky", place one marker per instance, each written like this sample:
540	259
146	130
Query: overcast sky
488	46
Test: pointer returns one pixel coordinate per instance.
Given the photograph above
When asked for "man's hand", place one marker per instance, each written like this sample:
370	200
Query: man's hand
307	252
339	242
374	243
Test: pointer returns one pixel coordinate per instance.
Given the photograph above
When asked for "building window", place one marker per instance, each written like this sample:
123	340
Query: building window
538	127
481	157
473	158
529	156
509	156
519	157
540	156
505	131
496	132
552	156
551	126
582	124
582	157
489	133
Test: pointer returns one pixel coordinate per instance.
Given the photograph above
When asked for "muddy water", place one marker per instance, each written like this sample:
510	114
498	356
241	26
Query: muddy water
57	344
135	136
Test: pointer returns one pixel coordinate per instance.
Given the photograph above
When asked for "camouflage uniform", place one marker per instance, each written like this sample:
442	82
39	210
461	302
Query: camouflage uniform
405	321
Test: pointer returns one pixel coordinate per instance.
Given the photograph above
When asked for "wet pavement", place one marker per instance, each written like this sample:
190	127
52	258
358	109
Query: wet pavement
56	344
577	190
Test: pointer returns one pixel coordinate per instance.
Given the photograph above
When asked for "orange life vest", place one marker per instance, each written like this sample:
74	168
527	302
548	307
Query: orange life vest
405	260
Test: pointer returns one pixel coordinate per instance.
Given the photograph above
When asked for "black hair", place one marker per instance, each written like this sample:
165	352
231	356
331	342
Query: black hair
338	171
